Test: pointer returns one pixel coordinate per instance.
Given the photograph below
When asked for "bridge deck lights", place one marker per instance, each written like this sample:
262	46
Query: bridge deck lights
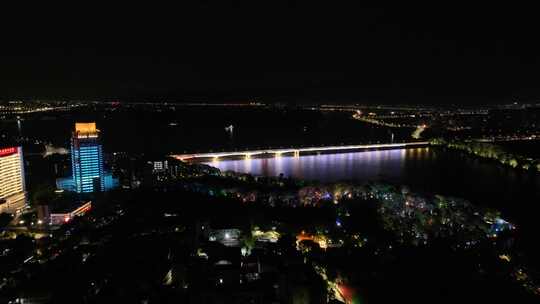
296	151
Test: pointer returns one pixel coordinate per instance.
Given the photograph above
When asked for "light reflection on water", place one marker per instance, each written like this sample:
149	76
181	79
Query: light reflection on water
428	169
358	166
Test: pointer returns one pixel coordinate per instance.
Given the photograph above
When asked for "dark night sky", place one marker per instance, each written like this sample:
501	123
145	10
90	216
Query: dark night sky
434	54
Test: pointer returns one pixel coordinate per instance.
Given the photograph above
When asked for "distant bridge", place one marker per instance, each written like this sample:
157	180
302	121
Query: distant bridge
296	151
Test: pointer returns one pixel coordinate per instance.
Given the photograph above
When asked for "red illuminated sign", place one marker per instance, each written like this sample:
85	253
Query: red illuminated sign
8	151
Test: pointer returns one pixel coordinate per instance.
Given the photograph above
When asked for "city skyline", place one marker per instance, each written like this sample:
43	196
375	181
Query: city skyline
269	152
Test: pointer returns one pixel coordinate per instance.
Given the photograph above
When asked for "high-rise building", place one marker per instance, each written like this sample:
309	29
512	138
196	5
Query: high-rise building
87	159
12	185
88	174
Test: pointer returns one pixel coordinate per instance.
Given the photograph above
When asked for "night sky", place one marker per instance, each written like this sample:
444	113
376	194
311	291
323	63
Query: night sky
433	54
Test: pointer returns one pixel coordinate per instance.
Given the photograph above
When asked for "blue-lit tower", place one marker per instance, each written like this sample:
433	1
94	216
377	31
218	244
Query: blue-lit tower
88	173
87	159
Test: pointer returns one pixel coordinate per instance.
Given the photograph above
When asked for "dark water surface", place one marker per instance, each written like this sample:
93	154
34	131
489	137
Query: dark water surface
202	129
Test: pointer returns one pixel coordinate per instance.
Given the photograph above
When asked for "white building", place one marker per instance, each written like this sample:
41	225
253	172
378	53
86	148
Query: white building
227	237
12	186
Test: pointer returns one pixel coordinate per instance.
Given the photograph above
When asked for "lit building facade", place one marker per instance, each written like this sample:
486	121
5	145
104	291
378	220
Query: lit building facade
60	217
88	174
87	159
12	184
227	237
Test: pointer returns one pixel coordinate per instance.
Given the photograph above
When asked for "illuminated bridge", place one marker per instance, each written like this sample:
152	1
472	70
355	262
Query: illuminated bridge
296	151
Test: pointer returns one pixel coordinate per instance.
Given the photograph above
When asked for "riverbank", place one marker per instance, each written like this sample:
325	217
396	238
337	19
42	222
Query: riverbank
492	151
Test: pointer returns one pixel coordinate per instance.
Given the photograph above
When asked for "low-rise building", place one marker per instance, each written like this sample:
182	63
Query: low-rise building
227	237
64	214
